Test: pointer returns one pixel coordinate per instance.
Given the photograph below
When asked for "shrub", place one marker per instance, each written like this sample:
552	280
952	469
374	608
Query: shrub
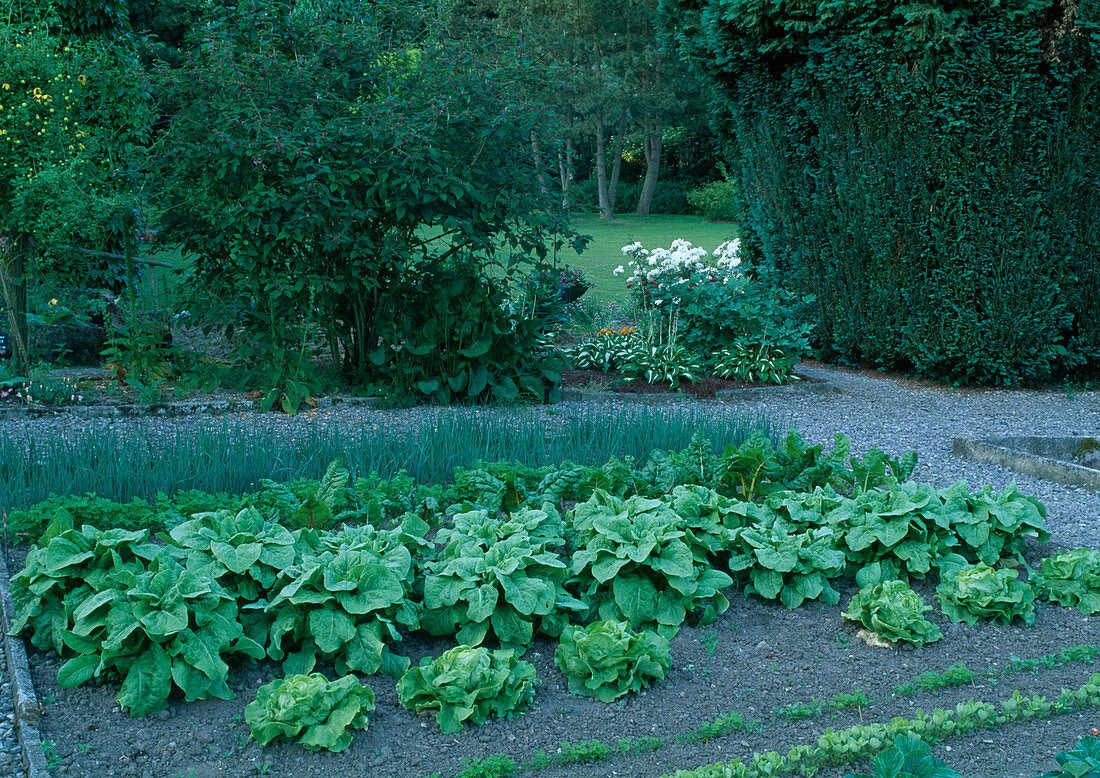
716	201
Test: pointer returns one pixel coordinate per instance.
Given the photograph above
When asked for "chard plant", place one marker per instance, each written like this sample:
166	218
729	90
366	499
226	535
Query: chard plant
908	757
608	660
468	685
316	506
1072	579
311	709
498	577
633	563
969	593
894	612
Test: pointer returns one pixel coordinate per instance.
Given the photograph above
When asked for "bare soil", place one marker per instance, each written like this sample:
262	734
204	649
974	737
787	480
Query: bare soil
757	657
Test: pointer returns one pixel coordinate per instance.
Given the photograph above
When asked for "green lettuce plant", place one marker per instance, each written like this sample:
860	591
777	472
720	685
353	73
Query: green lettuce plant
789	566
161	628
633	562
345	601
969	593
1071	578
245	553
310	708
893	611
608	660
468	684
499	577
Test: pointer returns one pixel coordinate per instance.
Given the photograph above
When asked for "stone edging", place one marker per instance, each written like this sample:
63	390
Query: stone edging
172	410
166	410
27	709
1006	453
748	393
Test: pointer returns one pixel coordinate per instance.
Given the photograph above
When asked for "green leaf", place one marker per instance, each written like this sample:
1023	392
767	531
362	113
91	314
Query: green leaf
147	684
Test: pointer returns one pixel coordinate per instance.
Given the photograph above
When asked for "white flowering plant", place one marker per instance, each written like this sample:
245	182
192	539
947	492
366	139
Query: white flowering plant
660	279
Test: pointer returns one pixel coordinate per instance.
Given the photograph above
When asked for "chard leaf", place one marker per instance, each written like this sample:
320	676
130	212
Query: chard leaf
77	670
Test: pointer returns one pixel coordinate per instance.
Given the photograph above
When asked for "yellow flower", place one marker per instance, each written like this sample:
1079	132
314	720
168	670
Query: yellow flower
53	301
7	87
82	79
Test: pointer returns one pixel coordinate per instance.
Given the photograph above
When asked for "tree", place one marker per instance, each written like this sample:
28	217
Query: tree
314	157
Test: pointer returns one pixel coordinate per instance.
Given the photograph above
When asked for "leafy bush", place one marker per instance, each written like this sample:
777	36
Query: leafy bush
608	660
716	201
468	684
324	709
895	612
968	593
447	335
1071	578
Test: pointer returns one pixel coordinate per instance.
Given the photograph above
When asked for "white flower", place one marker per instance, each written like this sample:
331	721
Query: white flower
619	270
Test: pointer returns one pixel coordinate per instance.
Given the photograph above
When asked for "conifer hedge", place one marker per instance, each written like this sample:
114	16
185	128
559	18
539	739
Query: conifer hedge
930	170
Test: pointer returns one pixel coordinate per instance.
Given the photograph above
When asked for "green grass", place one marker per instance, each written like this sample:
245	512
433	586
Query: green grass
604	252
124	463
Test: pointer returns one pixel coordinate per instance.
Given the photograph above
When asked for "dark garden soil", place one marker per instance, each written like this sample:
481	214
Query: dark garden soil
757	657
703	389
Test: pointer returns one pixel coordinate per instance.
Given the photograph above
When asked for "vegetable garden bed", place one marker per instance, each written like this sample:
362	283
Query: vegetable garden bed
646	545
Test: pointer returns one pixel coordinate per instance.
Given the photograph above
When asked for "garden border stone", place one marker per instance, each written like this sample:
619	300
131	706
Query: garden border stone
748	393
1014	453
25	702
167	410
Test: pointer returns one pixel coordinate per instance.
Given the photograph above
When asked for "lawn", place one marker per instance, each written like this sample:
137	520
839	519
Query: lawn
604	252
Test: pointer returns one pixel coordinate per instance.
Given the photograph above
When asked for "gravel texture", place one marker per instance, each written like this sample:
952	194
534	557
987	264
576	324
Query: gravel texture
756	657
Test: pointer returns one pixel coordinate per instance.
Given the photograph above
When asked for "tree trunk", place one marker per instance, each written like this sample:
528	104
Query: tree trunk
565	170
13	286
652	145
536	155
617	164
606	211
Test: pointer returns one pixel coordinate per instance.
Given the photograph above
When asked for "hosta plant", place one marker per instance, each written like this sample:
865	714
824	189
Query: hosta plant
894	612
310	708
969	593
468	685
764	363
607	659
498	577
1071	578
633	562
